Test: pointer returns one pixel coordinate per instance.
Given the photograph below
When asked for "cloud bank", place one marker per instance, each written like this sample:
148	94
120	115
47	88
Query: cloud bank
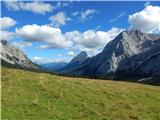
147	20
7	22
59	19
36	7
50	36
53	38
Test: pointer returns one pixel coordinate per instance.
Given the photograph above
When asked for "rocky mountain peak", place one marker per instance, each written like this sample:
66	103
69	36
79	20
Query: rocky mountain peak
14	57
131	54
4	42
133	31
77	60
80	57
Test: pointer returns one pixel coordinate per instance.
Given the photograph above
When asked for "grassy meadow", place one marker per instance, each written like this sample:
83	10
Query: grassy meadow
40	96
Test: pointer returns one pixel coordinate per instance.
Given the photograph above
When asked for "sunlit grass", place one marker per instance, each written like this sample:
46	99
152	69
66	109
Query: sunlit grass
40	96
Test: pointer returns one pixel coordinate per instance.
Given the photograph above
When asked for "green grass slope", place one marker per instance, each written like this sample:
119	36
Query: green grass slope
40	96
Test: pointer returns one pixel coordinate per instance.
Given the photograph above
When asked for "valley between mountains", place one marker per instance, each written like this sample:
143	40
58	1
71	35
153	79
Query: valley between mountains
80	60
132	55
118	88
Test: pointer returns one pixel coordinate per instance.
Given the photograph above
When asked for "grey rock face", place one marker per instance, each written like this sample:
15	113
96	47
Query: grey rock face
80	58
131	54
150	66
13	57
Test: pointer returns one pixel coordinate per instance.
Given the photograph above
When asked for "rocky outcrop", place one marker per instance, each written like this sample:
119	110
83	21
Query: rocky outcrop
76	61
131	55
13	57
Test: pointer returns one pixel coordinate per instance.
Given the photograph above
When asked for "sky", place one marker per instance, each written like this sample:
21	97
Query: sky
53	31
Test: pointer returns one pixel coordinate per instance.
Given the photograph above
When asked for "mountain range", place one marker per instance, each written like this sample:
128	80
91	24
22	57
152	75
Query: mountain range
54	66
132	55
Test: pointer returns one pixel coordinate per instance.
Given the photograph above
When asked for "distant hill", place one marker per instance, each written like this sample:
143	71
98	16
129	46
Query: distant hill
131	55
15	58
39	96
54	66
76	61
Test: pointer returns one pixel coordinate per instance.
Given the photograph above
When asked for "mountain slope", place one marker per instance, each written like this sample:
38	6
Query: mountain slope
53	66
13	57
121	56
39	96
77	60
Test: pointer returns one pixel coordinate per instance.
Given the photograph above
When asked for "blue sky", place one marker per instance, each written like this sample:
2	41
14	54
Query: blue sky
101	20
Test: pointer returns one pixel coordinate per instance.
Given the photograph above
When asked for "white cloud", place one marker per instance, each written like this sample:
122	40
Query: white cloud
88	14
72	35
36	7
5	35
37	58
116	18
59	19
22	44
42	60
91	41
146	20
91	38
50	36
71	53
85	15
45	46
63	4
75	13
147	3
7	22
94	39
12	5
